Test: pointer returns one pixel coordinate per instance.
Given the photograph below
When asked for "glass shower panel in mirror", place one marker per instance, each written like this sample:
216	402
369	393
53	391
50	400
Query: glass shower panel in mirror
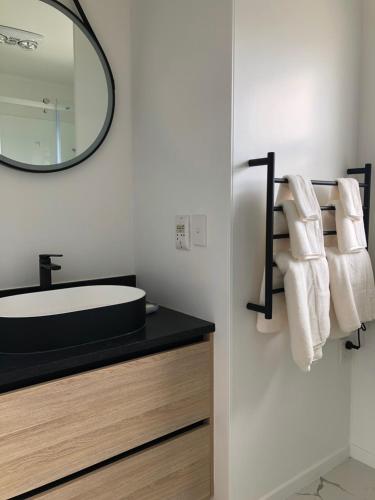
34	134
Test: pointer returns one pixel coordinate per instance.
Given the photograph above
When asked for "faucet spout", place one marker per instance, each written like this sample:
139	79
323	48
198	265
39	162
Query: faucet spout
51	267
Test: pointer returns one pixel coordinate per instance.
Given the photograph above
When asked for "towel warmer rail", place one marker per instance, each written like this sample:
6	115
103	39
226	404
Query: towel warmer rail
269	162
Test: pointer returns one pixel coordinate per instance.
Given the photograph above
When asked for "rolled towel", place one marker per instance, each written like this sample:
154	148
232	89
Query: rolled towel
350	197
304	195
352	288
308	303
279	319
306	238
351	236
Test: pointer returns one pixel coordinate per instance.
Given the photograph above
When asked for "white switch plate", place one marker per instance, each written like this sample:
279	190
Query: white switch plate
199	230
183	232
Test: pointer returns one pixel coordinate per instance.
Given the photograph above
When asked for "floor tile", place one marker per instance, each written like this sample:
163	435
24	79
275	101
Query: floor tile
351	480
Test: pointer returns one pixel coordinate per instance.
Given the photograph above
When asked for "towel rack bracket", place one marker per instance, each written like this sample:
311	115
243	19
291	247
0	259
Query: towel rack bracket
350	345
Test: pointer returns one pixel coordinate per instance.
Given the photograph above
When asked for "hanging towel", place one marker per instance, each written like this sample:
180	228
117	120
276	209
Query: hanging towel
350	197
304	195
308	302
279	319
352	288
306	238
351	236
336	332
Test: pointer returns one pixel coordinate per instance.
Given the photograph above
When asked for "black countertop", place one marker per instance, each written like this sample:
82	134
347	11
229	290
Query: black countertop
164	329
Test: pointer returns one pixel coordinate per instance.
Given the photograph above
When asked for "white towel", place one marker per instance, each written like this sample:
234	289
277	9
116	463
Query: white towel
336	332
306	238
308	302
350	197
351	236
304	195
279	319
352	288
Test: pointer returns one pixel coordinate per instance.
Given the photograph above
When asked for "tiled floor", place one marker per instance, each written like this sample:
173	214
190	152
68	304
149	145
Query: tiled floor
349	481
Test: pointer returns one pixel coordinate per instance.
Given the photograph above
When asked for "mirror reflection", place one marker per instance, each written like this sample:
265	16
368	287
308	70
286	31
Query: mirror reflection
54	90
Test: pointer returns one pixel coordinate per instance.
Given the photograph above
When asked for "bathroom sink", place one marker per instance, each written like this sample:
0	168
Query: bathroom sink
59	319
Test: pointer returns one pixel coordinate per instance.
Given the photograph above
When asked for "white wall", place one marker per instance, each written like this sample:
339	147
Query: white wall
295	93
363	365
86	212
182	146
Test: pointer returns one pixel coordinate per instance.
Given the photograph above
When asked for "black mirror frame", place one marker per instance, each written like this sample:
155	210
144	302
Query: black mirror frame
85	26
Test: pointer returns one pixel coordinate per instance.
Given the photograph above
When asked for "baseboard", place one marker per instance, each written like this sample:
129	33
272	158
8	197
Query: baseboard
362	455
307	476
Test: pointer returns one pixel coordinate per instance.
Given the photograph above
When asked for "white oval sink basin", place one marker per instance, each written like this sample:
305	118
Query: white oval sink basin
57	319
67	300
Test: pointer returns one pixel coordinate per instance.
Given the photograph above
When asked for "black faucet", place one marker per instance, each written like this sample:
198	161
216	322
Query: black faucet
45	270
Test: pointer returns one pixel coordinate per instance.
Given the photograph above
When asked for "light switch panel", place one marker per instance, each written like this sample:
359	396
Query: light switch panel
183	232
199	230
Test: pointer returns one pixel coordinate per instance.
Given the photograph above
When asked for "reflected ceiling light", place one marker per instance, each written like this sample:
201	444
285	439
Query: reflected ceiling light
15	37
28	44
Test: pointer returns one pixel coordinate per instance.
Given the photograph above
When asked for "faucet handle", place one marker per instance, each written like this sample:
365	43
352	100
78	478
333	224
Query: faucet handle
46	255
45	258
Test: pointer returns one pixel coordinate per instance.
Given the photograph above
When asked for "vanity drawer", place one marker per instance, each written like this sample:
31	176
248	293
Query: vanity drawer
178	469
52	430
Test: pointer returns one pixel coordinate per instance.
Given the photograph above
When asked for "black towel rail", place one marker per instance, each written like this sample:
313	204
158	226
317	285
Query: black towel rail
283	236
269	162
279	208
325	183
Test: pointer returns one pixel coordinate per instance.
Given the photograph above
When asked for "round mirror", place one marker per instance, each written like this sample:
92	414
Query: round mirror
56	87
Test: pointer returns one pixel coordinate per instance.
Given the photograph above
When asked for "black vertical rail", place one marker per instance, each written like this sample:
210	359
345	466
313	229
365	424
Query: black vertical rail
366	171
269	162
366	201
269	234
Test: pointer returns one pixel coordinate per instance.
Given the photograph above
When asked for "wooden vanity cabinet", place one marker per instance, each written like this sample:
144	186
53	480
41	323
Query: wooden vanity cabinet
178	469
57	429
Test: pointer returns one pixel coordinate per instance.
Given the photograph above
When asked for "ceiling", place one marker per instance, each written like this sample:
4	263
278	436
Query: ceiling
53	61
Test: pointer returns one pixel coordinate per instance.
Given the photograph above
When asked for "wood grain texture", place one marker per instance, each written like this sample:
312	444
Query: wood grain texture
178	469
51	430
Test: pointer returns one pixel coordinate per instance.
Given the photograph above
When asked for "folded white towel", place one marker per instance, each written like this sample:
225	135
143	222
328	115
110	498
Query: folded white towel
351	236
279	319
306	238
352	288
308	302
304	195
350	197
